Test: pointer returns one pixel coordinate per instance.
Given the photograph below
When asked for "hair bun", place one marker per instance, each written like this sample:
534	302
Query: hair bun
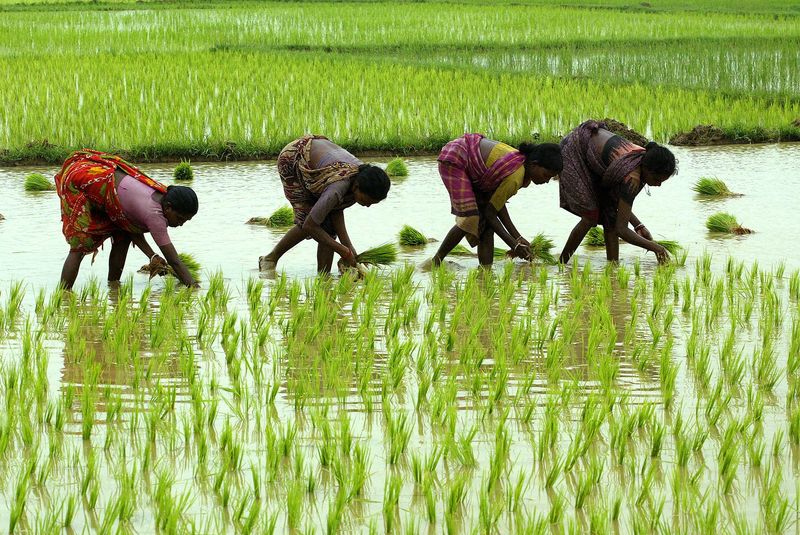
651	145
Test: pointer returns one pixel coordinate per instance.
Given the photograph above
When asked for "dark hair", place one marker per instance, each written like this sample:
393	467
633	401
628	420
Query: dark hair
659	160
182	199
372	181
547	155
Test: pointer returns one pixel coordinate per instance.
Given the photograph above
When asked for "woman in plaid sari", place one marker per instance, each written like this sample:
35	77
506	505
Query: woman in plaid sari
480	175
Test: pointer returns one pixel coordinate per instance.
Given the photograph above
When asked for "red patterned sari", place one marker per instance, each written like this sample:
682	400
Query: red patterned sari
90	208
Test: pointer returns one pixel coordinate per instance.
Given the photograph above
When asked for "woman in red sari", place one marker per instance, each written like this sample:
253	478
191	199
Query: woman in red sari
103	196
480	176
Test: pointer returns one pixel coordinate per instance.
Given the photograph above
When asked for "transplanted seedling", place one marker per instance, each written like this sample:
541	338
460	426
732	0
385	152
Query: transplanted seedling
411	237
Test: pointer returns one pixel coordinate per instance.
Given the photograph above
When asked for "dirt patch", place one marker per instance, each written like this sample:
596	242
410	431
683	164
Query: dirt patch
703	134
796	123
621	129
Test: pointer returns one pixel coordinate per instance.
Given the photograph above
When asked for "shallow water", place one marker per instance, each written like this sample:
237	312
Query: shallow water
314	383
768	176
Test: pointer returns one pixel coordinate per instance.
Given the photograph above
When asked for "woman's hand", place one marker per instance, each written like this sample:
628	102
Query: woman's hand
348	257
661	254
642	231
157	266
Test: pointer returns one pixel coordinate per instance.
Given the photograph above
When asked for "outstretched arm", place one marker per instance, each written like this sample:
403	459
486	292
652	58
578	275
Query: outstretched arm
337	220
493	220
624	212
639	227
318	233
174	261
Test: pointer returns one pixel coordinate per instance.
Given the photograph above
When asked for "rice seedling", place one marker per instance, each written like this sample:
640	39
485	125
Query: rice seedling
672	247
183	171
595	237
460	250
411	237
397	167
541	249
379	256
38	182
283	217
712	187
725	223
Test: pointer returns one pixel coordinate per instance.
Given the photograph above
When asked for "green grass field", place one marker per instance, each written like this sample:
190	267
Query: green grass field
239	80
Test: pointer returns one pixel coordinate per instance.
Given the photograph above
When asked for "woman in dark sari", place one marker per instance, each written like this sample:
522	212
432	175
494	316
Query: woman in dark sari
320	179
603	173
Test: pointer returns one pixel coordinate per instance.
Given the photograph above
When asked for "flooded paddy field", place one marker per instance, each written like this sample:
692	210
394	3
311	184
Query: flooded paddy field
531	398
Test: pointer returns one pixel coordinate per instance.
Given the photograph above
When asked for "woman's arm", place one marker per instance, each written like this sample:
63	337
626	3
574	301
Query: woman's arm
337	220
505	219
318	233
639	227
518	248
624	211
174	261
140	242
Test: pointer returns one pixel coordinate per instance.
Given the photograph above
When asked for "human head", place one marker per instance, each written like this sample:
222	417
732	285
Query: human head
370	184
542	162
658	164
179	204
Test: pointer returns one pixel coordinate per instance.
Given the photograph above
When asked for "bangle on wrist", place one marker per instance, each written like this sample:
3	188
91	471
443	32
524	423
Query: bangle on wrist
639	226
152	257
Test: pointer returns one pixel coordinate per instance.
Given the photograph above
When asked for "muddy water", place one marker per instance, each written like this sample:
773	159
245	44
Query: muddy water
768	176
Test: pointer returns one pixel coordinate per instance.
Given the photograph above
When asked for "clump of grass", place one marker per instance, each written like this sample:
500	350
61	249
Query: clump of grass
411	237
397	167
281	218
595	237
183	171
38	182
726	223
712	187
379	256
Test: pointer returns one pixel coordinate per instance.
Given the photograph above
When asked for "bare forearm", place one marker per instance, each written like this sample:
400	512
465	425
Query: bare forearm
320	236
505	219
337	219
493	221
635	239
140	242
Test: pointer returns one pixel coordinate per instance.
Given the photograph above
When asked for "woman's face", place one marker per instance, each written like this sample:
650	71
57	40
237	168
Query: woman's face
362	198
651	179
174	217
537	174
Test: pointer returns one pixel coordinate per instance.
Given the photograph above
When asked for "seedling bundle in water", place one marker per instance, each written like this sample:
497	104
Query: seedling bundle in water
283	217
183	171
397	167
712	187
411	237
595	237
726	223
38	182
188	260
379	256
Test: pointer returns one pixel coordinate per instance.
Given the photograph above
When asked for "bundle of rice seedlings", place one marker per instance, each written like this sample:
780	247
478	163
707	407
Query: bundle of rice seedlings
379	256
397	167
460	250
183	171
38	182
281	218
671	246
595	237
191	264
541	246
713	187
188	260
411	237
726	223
499	253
